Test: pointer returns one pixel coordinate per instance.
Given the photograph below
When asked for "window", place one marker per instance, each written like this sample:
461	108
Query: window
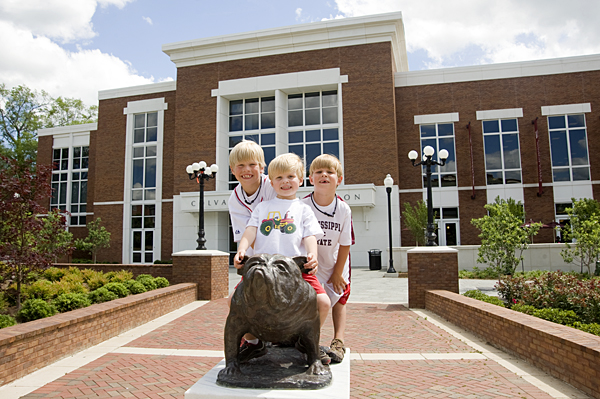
502	155
440	136
562	218
313	126
69	182
252	119
143	187
568	146
448	226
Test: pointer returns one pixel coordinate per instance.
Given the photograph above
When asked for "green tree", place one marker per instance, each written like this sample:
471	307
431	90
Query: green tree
21	115
64	111
98	237
504	237
415	219
28	241
584	229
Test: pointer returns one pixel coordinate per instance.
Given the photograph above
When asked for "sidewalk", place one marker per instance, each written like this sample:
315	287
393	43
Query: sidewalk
395	352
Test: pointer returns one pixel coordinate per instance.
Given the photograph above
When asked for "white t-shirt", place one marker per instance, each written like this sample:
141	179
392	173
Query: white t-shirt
241	206
281	226
337	231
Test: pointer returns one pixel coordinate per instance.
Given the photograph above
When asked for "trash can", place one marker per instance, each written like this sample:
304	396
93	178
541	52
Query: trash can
374	259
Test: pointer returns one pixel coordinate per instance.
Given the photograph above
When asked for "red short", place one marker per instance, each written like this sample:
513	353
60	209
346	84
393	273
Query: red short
344	298
314	282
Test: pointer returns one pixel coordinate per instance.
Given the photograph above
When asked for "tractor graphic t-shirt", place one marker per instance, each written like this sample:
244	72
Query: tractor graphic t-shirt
282	224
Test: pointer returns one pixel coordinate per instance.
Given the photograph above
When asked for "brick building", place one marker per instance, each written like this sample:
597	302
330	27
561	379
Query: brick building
340	87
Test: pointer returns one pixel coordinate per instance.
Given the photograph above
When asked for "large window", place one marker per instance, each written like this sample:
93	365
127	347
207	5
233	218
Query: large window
313	126
143	186
502	155
69	182
440	136
568	145
252	119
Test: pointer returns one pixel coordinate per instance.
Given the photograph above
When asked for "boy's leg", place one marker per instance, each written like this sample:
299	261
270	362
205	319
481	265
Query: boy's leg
251	346
323	304
338	314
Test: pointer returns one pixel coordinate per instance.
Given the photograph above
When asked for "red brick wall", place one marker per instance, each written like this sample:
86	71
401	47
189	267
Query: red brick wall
529	93
429	269
210	272
568	354
27	347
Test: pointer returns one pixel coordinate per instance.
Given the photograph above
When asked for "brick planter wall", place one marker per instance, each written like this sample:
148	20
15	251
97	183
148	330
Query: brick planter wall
27	347
566	353
430	268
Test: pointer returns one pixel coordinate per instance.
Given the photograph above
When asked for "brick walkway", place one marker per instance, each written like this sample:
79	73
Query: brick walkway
395	352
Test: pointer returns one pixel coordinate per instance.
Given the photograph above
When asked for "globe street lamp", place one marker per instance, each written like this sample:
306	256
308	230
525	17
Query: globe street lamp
388	182
201	172
428	162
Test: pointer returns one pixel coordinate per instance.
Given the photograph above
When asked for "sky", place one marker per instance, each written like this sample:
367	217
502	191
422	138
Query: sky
74	48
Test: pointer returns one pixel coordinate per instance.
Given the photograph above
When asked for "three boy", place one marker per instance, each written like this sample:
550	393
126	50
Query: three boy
286	225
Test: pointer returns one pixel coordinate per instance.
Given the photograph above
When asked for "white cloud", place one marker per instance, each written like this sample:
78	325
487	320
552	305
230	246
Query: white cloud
492	31
298	13
34	57
148	20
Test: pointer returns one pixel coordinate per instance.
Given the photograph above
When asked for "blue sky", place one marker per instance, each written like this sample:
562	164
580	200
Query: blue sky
74	48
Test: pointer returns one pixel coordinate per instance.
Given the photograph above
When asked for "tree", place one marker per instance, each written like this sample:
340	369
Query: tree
28	241
69	111
415	219
504	236
584	229
98	237
21	111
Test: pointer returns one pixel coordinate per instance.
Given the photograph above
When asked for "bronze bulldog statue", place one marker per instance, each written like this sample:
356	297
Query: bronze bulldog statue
275	304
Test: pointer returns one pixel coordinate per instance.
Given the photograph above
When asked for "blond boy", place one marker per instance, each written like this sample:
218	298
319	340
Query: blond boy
335	218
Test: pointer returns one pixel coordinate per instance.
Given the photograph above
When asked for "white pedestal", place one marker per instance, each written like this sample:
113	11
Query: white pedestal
339	388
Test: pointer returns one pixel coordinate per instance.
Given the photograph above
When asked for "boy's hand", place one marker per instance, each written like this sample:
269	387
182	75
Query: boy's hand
339	285
312	263
237	259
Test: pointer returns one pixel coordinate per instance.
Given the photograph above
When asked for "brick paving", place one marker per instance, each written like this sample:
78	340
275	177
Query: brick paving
372	329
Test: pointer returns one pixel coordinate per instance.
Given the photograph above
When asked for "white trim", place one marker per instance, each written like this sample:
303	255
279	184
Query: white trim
72	129
566	109
290	83
312	36
436	118
138	90
500	113
135	107
498	71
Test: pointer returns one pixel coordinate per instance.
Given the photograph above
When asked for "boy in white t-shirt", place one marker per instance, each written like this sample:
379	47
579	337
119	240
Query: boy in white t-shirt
335	218
287	226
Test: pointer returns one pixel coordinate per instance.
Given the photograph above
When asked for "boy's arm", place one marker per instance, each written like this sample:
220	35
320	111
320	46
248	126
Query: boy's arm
336	279
246	241
310	243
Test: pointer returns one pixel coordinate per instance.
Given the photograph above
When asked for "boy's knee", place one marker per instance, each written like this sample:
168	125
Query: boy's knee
323	301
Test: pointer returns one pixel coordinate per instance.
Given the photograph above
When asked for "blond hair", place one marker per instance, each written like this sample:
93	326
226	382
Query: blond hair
326	161
246	151
285	163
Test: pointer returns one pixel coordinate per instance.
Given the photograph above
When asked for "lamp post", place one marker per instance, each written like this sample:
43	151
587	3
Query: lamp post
428	162
201	172
388	182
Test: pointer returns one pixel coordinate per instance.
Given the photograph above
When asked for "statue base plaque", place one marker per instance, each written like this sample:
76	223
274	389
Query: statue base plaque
277	375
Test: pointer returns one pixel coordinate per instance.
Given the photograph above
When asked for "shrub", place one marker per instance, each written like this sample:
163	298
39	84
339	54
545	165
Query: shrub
7	321
476	294
34	309
163	262
53	273
489	273
147	280
593	328
102	295
67	287
94	279
135	287
161	282
120	276
565	317
118	288
527	309
41	289
3	302
67	302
